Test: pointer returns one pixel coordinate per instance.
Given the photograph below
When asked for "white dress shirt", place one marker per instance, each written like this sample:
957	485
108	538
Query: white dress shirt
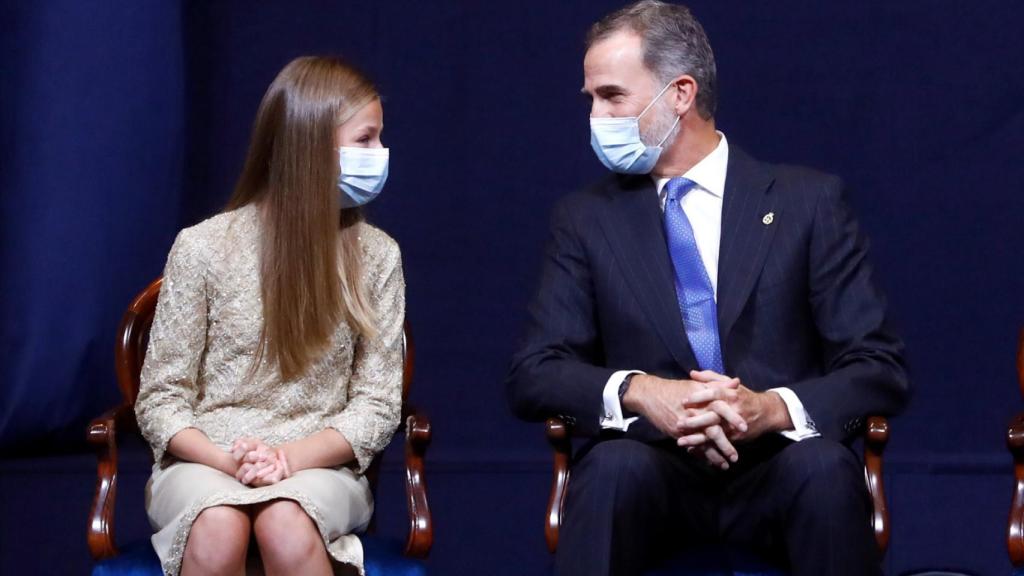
703	208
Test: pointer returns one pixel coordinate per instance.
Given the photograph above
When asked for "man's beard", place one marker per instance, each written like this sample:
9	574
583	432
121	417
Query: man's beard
661	126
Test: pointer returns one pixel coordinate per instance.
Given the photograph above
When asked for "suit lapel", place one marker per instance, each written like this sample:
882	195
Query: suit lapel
750	216
636	234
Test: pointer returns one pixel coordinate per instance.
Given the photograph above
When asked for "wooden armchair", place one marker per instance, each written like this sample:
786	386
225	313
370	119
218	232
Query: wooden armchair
876	436
103	432
1015	442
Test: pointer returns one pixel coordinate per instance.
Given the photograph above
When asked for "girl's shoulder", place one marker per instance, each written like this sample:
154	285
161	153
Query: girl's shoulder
380	252
222	230
376	243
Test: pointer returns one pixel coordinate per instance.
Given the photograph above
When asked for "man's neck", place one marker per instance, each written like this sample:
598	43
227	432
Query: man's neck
691	145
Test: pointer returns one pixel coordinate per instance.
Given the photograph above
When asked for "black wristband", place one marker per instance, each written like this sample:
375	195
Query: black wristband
623	388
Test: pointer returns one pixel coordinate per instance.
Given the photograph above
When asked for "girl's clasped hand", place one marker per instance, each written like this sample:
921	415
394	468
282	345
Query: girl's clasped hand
259	464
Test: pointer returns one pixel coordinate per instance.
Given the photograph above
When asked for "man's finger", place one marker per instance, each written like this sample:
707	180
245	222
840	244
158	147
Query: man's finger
728	414
691	440
712	378
701	397
721	442
700	420
708	376
711	393
716	459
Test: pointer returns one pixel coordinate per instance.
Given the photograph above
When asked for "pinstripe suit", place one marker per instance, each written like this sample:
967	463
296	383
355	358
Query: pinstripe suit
797	306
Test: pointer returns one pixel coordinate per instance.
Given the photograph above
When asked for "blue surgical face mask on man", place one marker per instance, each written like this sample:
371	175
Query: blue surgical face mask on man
618	146
363	174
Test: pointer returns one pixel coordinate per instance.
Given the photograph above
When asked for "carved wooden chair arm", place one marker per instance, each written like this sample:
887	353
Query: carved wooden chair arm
1015	527
421	525
559	436
876	436
102	434
1015	442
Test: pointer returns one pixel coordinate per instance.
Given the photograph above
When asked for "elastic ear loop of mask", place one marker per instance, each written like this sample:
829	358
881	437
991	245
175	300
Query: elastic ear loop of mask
644	111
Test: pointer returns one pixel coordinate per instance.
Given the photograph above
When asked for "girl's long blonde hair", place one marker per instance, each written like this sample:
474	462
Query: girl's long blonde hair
291	172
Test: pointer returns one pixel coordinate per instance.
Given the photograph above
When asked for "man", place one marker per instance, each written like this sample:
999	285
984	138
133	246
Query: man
711	322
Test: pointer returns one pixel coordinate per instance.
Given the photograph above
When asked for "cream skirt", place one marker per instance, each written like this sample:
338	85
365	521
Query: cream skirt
338	501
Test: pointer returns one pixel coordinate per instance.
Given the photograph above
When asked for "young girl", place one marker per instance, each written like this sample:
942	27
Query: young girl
274	369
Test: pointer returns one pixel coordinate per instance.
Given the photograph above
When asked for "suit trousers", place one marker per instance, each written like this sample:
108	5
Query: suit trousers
803	505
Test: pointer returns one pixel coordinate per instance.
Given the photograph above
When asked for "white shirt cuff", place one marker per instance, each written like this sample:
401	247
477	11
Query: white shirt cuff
612	418
803	426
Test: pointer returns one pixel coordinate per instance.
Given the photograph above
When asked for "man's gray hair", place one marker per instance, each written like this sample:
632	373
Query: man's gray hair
674	43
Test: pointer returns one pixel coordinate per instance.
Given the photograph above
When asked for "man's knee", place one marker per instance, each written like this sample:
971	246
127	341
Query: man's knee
624	473
824	471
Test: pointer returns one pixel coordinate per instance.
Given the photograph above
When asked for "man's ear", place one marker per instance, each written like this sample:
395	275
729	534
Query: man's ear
684	94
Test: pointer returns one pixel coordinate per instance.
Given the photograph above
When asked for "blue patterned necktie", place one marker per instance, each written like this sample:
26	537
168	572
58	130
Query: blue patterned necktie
694	293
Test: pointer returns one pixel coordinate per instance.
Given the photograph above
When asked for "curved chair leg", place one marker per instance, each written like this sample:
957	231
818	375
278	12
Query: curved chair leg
102	434
1015	527
558	434
1015	442
421	526
875	438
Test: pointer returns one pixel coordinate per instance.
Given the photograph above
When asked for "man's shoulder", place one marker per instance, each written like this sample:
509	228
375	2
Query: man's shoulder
794	180
780	170
600	194
805	178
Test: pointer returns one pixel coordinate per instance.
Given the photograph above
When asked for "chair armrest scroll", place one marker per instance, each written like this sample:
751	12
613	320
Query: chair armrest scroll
876	436
559	435
1015	526
102	434
421	526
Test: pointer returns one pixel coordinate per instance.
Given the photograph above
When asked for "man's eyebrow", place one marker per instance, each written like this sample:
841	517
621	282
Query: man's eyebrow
609	90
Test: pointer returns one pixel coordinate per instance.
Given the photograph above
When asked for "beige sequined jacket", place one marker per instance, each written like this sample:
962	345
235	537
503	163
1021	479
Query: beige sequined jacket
204	336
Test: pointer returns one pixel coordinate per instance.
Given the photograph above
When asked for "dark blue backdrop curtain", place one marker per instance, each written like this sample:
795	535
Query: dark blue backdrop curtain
92	150
123	122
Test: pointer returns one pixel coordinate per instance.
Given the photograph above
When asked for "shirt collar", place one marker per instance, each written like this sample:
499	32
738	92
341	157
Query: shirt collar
709	173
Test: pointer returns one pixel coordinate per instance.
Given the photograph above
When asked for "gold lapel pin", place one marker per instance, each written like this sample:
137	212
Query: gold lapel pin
768	218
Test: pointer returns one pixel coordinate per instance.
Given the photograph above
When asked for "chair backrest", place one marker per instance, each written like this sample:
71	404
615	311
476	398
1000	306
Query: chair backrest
133	338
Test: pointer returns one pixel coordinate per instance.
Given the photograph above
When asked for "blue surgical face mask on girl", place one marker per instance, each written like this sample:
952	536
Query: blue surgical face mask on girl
618	146
363	174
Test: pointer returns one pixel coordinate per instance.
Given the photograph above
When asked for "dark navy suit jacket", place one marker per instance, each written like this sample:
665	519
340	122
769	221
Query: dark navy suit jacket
797	305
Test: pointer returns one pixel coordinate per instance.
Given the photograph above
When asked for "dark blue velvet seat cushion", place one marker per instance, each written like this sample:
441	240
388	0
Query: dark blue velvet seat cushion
135	559
382	558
